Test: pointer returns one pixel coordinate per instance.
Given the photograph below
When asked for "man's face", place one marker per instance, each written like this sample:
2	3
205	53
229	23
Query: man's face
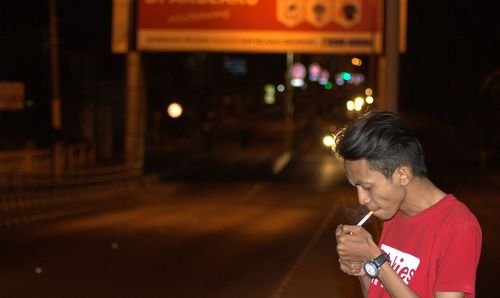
375	191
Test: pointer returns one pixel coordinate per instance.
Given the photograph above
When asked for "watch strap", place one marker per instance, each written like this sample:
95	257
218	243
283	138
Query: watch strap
380	260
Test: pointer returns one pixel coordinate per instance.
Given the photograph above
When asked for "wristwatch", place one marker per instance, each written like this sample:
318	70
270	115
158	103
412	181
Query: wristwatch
372	267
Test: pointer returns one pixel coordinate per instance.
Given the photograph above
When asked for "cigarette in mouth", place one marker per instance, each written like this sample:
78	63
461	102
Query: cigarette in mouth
364	219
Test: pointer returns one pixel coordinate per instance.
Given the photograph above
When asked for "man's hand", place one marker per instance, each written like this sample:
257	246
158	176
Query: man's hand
352	268
355	244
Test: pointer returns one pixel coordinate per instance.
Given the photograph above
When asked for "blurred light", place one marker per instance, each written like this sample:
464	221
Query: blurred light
328	141
269	99
297	82
30	103
269	92
280	88
356	61
235	66
324	76
350	105
345	76
357	78
369	100
269	89
174	110
314	71
298	71
297	74
281	162
369	91
358	103
339	80
328	85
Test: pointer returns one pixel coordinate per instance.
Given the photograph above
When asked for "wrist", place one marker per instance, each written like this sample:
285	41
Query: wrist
373	266
374	252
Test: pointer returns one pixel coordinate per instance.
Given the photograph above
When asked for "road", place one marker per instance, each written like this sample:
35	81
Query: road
268	238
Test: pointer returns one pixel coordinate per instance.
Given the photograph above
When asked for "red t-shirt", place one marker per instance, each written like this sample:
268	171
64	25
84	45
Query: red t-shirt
436	250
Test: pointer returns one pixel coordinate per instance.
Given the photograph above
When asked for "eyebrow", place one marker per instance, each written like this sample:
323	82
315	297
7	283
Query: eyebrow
357	182
360	183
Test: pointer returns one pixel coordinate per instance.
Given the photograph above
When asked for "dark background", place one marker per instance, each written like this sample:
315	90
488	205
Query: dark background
449	91
449	76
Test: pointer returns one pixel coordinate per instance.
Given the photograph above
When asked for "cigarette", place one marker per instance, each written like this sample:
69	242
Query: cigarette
364	219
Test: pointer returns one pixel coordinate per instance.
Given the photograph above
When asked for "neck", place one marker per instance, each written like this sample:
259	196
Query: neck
421	194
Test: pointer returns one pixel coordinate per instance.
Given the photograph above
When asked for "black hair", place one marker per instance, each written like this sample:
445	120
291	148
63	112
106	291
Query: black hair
384	140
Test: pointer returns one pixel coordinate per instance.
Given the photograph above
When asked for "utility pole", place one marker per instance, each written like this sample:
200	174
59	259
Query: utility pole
135	111
388	63
392	53
57	149
288	126
124	42
135	99
288	105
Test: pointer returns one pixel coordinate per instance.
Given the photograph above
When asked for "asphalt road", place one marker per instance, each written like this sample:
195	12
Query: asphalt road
270	239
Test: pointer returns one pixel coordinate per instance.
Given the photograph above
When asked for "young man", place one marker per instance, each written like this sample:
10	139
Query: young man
430	242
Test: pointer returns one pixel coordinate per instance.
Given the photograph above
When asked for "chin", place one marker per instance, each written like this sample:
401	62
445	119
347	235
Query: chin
384	214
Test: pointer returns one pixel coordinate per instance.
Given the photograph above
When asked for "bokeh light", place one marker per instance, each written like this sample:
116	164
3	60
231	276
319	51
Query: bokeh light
174	110
350	105
328	141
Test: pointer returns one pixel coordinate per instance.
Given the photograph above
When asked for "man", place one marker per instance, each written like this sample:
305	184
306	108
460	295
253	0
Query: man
430	242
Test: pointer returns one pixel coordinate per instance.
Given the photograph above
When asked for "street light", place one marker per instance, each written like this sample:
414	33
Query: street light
297	74
356	61
358	103
269	94
174	110
314	71
350	105
328	141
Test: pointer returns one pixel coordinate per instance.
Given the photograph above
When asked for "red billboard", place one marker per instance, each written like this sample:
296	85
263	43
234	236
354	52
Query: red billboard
301	26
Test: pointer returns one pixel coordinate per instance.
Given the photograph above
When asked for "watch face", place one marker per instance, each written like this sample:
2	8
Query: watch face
371	269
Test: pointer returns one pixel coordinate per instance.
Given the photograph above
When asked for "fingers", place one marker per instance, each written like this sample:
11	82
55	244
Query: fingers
352	268
348	229
353	243
349	255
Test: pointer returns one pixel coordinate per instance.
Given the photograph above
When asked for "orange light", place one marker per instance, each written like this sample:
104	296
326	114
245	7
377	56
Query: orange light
174	110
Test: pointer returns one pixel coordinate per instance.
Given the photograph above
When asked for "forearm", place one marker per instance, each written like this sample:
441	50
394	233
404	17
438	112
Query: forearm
364	282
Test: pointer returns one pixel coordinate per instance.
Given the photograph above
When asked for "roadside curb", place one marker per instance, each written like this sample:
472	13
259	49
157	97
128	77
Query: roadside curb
27	207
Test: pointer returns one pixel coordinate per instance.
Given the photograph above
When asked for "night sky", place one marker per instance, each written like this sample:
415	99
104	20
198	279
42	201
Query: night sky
453	48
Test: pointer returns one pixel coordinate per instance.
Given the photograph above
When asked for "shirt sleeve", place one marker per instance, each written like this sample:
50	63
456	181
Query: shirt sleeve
459	258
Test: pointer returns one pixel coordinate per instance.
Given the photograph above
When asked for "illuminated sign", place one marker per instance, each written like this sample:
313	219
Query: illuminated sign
272	26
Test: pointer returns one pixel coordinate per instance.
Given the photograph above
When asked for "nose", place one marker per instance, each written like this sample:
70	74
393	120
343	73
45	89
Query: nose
363	197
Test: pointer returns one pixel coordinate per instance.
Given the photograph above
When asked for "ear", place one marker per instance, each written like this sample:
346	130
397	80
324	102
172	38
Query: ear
404	174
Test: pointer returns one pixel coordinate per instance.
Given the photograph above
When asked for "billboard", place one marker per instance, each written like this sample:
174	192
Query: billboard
266	26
